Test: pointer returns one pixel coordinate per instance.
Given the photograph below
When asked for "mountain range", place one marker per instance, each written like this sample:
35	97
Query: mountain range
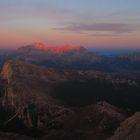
68	93
73	57
64	104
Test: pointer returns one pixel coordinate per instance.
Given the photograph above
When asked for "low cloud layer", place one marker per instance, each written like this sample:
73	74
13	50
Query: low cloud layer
115	28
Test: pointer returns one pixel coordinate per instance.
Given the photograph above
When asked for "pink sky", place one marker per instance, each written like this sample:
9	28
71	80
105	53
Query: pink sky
83	22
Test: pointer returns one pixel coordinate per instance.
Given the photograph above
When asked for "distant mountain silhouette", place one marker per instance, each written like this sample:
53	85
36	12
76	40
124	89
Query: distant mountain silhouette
67	57
51	49
73	57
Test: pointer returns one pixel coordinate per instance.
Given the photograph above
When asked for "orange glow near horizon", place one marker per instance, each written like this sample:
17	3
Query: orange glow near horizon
69	38
112	24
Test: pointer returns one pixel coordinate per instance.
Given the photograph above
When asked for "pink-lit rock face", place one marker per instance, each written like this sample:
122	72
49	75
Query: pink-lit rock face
53	49
39	45
63	49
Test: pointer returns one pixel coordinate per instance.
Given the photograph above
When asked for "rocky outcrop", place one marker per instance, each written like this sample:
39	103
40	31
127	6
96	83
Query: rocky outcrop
129	129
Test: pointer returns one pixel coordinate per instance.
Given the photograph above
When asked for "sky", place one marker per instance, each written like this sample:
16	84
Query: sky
90	23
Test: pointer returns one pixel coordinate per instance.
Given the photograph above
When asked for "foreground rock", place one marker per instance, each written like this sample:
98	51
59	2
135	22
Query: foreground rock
96	122
129	129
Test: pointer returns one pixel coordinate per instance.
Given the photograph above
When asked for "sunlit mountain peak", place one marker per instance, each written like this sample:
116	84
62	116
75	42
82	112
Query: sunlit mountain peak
39	45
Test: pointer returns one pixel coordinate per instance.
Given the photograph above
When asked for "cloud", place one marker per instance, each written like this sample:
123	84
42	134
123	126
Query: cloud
115	28
104	35
46	13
